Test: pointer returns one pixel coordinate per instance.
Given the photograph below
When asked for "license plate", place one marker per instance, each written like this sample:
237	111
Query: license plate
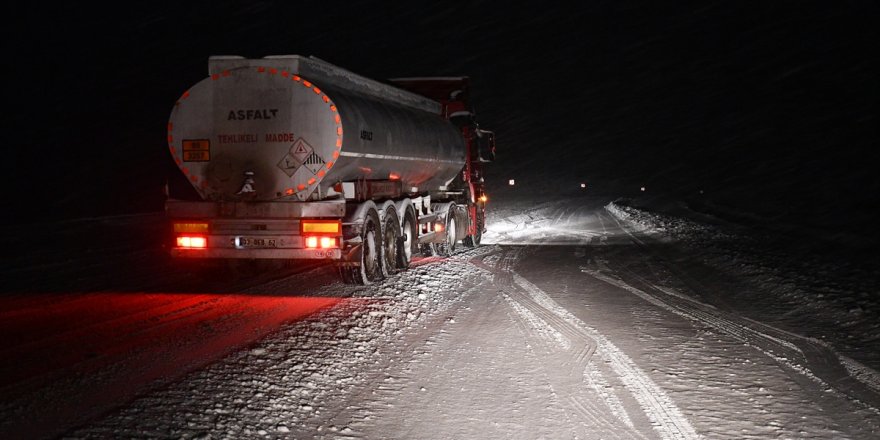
255	242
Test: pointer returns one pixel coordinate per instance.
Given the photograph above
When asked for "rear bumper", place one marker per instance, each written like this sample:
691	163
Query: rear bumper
255	230
292	254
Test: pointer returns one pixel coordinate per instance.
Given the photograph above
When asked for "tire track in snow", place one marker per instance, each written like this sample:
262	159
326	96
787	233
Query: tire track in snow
558	335
809	357
666	418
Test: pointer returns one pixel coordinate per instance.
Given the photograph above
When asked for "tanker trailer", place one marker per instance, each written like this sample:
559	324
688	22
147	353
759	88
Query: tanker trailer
293	158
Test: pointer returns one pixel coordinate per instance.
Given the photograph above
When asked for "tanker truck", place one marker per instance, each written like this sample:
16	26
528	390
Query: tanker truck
292	158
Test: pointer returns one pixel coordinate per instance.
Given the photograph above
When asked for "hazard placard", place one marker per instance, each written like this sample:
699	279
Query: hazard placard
196	145
196	150
301	150
196	156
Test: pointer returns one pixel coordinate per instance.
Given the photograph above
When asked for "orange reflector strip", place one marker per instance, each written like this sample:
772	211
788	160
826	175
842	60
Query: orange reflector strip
288	191
317	90
311	242
307	84
215	77
321	173
169	126
300	187
261	69
311	181
332	108
273	71
339	131
337	119
191	227
321	227
285	73
330	165
338	143
325	98
225	73
192	242
297	78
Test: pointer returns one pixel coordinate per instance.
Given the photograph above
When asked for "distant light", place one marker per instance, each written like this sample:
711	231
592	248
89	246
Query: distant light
511	182
701	191
583	185
643	189
484	198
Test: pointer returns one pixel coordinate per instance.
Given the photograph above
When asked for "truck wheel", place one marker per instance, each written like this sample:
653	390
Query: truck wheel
390	238
369	269
447	248
409	244
474	240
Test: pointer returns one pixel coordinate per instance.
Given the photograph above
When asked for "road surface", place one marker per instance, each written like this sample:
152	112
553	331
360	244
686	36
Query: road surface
573	320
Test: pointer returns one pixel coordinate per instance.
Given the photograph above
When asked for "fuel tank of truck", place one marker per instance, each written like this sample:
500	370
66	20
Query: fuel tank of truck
290	127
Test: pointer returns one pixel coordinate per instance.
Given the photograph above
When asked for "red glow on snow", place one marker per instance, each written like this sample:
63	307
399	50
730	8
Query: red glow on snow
103	348
84	333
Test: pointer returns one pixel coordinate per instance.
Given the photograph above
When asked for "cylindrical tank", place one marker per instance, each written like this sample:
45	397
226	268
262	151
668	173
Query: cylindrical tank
262	133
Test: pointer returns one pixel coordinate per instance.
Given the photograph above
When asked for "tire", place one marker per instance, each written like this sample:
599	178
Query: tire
370	268
409	245
390	243
474	240
447	248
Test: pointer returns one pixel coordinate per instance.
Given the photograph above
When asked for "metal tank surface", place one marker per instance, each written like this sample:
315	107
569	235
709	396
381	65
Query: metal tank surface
289	127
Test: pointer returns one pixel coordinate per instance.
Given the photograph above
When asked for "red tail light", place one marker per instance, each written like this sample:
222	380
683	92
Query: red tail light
192	242
313	242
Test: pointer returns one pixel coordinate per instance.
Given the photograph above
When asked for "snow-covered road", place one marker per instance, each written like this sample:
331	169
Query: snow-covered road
575	319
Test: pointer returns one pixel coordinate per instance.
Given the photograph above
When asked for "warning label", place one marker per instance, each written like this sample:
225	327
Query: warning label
196	150
295	157
301	150
313	163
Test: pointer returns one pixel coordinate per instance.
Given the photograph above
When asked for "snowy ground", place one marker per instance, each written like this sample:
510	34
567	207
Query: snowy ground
578	318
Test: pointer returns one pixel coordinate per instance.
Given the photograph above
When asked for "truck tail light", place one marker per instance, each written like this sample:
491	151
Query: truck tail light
321	227
192	242
438	227
313	242
191	227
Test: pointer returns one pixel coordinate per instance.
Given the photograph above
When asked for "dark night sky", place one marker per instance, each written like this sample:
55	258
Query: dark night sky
766	106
